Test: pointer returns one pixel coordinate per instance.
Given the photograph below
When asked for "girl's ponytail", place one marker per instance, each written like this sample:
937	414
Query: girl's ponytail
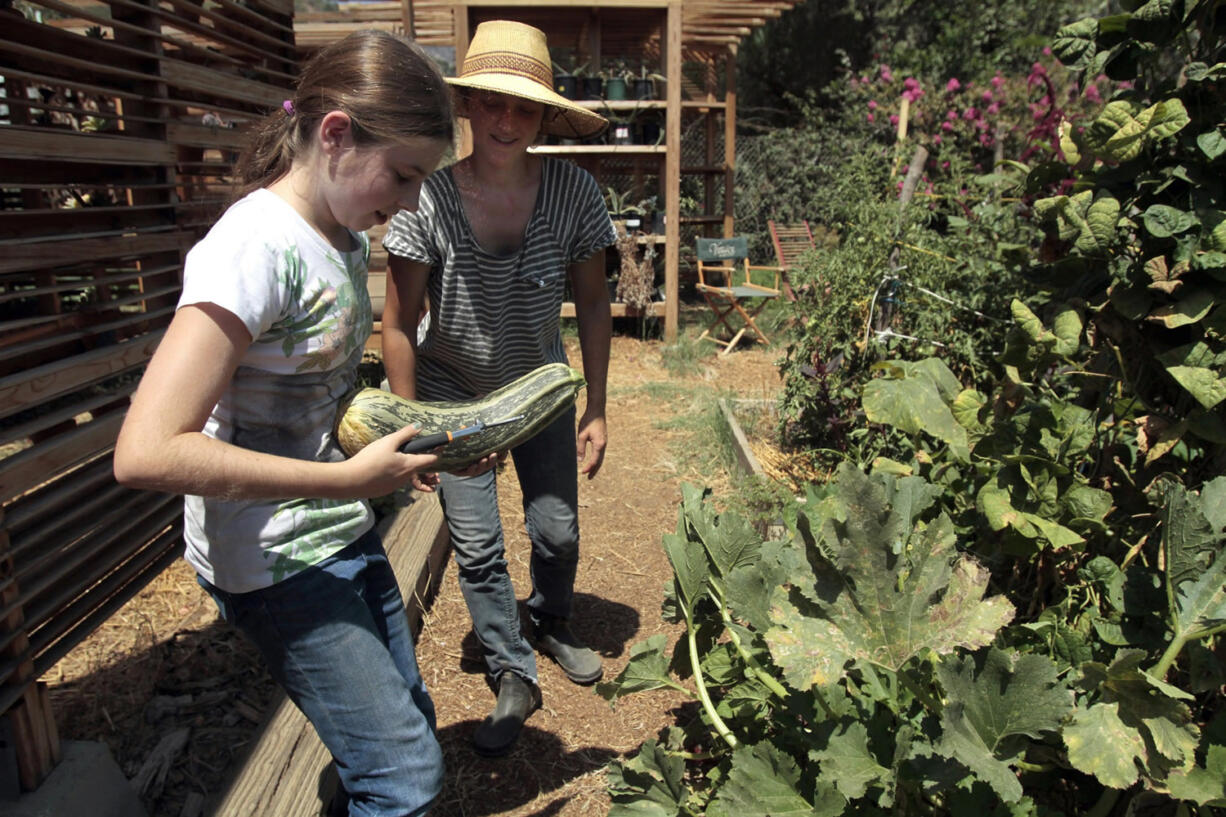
388	87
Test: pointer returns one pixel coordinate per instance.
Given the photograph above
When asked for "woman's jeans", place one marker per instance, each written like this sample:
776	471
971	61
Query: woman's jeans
548	477
337	639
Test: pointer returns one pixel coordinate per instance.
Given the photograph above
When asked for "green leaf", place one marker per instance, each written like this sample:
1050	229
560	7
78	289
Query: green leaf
913	405
966	408
1123	130
1213	503
1147	705
647	669
848	762
1213	230
689	561
1012	696
810	651
1189	539
902	588
1195	367
648	784
1098	230
1164	221
1202	603
729	540
1191	308
1074	44
1211	143
763	782
1203	384
1101	744
1066	326
1206	786
1199	72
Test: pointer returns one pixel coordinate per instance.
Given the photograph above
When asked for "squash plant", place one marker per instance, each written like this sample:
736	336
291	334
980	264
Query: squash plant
1019	612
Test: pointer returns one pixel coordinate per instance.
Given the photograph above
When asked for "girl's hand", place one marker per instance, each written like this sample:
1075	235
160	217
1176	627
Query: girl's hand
381	468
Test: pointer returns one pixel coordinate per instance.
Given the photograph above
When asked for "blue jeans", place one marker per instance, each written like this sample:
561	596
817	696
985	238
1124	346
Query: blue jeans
548	477
336	638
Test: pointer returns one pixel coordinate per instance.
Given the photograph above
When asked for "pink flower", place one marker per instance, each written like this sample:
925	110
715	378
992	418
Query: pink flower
1038	69
986	96
936	140
855	83
945	165
952	85
910	95
947	125
993	108
969	114
951	114
1047	51
870	117
1092	94
886	76
872	104
911	84
998	81
894	119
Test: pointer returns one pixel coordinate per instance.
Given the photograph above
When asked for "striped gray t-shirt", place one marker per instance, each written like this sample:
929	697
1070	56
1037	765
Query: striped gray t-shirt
494	318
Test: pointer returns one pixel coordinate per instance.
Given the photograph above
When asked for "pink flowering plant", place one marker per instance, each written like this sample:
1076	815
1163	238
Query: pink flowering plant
1007	116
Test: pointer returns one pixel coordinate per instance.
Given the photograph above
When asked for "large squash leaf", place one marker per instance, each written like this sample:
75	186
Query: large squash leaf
648	784
994	709
902	589
1101	744
848	762
764	782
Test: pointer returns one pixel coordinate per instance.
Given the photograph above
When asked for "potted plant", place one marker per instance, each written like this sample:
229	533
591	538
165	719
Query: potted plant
621	130
650	131
644	83
566	81
615	77
591	86
622	210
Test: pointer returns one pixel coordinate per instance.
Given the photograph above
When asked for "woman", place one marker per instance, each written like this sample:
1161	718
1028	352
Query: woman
492	244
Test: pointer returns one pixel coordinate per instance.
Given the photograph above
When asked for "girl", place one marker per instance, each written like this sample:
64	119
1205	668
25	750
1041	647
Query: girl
496	237
236	407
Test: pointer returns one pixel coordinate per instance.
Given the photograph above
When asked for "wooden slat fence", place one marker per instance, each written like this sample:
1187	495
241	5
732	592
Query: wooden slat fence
119	124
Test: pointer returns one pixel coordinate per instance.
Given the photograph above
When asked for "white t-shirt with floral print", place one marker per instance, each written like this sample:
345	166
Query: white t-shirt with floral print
306	306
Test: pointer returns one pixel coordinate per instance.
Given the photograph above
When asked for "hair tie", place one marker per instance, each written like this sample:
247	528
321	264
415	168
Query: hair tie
288	105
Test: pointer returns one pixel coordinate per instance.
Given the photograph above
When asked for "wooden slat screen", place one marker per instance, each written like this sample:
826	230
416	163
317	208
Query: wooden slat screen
119	124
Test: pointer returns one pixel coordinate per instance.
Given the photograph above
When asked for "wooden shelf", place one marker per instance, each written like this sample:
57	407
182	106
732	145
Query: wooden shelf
702	219
620	310
622	104
598	150
713	104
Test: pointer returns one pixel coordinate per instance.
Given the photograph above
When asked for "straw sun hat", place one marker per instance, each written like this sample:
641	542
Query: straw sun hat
513	58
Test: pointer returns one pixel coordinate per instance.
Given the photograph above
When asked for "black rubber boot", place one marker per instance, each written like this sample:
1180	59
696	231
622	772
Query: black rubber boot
555	639
517	699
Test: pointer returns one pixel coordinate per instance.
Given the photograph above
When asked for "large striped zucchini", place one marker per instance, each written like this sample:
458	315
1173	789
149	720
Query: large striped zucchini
541	396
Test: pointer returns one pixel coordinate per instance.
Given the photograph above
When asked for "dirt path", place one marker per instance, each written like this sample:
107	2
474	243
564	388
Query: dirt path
121	685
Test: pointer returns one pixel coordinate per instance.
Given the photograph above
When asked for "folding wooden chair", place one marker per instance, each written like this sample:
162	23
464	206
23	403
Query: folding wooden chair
791	242
725	279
